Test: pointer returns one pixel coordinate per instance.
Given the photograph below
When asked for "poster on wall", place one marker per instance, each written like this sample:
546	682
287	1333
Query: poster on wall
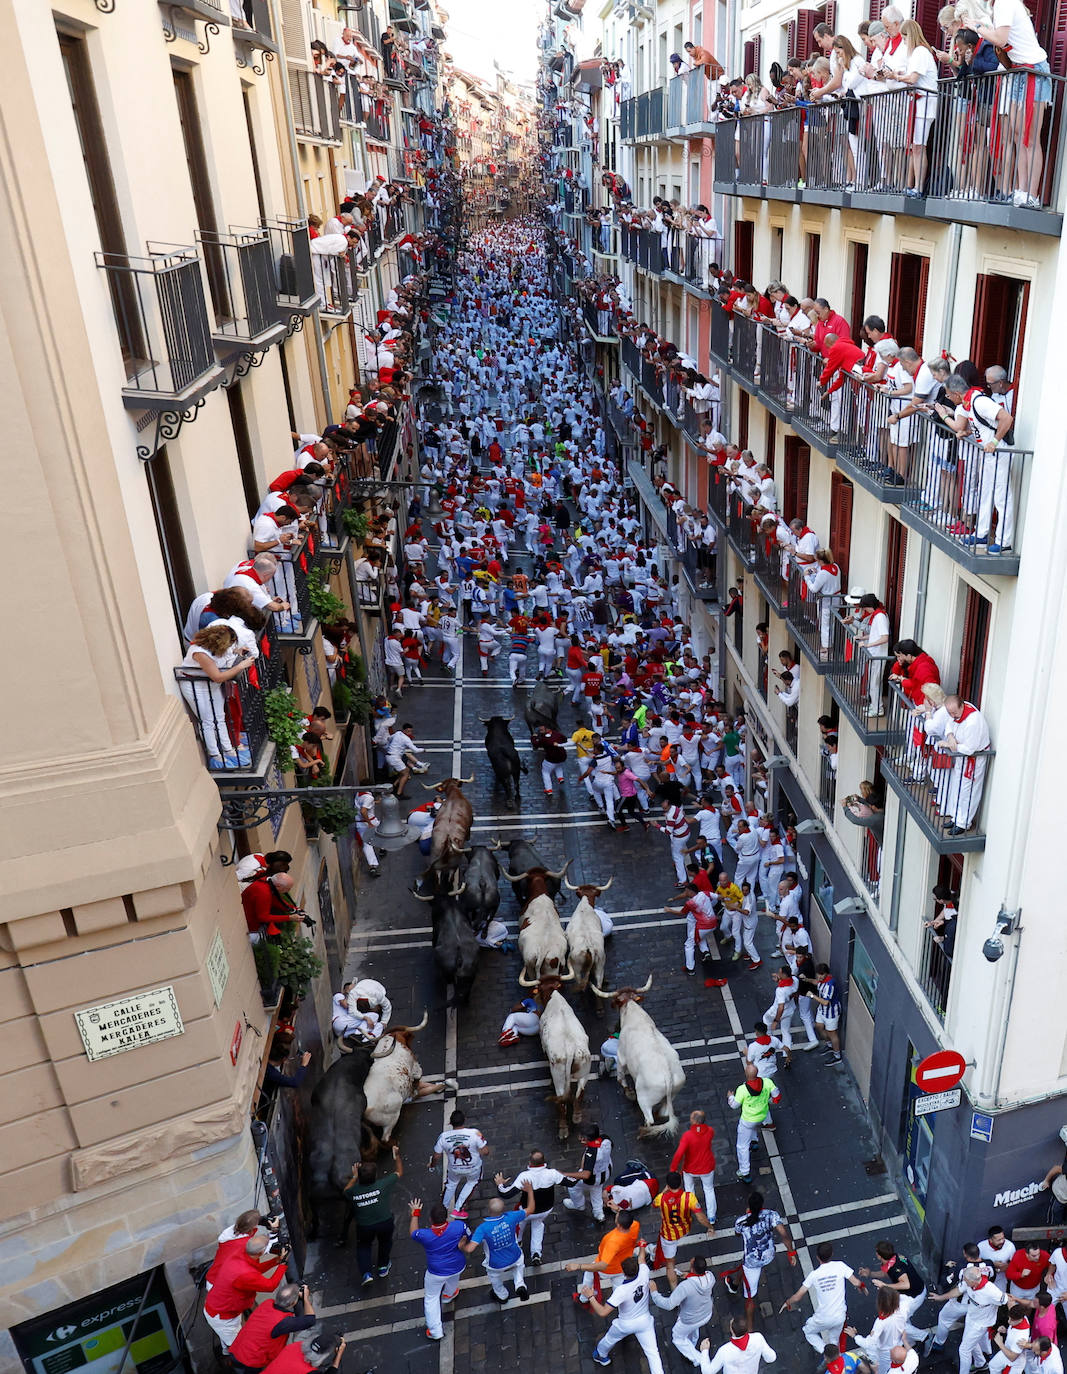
918	1138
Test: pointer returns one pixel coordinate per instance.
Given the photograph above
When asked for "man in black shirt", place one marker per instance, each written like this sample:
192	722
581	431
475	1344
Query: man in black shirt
899	1273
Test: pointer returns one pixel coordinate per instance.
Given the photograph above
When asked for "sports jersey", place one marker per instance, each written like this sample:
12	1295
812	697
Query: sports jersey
676	1208
460	1149
498	1235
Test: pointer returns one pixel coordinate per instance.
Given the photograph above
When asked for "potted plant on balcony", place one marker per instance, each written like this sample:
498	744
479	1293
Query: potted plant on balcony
356	524
326	606
285	724
298	964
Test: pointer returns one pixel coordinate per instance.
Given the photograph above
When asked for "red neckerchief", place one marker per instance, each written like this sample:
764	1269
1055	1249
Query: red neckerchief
440	1230
894	43
246	569
762	1040
836	1366
831	568
805	531
788	983
755	1092
887	1265
968	710
981	1282
740	1341
972	391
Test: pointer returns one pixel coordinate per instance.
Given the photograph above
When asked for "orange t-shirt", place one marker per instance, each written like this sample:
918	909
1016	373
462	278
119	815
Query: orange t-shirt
616	1245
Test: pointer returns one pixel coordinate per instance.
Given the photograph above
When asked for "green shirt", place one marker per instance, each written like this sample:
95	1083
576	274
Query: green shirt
731	740
754	1106
372	1202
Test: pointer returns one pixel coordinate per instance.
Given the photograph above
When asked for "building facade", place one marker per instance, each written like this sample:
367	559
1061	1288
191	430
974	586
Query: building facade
169	332
963	261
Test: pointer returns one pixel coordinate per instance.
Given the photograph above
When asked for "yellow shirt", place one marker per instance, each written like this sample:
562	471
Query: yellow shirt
730	895
676	1211
582	739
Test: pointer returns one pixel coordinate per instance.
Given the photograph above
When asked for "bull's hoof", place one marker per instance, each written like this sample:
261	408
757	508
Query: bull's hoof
564	1132
631	1096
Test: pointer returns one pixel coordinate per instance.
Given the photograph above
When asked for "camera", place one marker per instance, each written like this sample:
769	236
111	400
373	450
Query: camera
1007	923
993	948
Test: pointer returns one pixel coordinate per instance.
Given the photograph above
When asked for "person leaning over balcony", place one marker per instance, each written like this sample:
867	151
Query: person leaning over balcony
841	355
215	653
968	739
921	74
909	378
824	583
703	57
987	478
254	575
912	669
1023	98
827	321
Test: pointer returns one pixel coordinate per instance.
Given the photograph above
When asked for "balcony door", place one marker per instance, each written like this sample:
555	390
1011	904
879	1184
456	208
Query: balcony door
895	557
976	617
1000	309
909	275
857	310
840	541
171	535
795	486
744	230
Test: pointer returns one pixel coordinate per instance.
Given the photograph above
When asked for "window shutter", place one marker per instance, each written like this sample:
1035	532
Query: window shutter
875	8
757	55
926	12
806	21
772	435
841	522
920	304
971	678
1055	43
792	38
896	551
742	419
795	485
748	60
830	14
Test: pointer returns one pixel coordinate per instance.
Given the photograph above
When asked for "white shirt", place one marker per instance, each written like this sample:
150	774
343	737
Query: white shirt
982	1303
734	1360
461	1149
630	1300
995	1257
826	1285
1022	40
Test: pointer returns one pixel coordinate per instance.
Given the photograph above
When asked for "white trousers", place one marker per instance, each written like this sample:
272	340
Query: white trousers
785	1025
546	661
820	1330
747	1132
451	650
516	667
748	937
691	941
684	1339
605	792
536	1222
951	1312
808	1019
366	834
458	1188
747	871
522	1023
226	1328
434	1287
514	1273
975	1340
580	1192
678	847
644	1330
547	769
707	1181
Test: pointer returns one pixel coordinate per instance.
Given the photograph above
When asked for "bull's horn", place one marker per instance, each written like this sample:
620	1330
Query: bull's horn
418	896
647	985
562	872
509	720
470	779
609	882
388	1052
459	850
527	982
484	720
495	845
607	996
458	891
515	877
424	1022
569	884
428	787
569	975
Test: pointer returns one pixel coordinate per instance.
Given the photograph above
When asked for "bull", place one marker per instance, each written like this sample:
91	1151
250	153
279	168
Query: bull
566	1048
451	828
455	945
479	895
337	1107
503	756
646	1056
585	936
542	707
524	859
393	1079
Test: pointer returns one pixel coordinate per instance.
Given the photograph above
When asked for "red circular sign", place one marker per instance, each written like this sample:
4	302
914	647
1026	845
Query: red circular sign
940	1071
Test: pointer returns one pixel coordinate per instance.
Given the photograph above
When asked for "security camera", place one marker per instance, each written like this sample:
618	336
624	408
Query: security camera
993	949
1007	924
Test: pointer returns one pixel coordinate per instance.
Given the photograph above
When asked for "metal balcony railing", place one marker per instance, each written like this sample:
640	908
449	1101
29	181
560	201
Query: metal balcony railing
330	513
651	382
656	110
977	153
161	316
858	679
792	727
606	239
812	615
762	672
692	255
230	718
240	266
935	971
599	321
676	102
828	782
718	492
289	583
970	499
631	357
941	789
294	279
333	282
871	864
740	528
697	98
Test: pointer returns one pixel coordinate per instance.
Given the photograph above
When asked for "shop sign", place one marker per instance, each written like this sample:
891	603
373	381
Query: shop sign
937	1102
1012	1197
126	1024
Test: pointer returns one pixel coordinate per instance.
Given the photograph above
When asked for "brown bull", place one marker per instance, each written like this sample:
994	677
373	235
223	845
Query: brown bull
451	826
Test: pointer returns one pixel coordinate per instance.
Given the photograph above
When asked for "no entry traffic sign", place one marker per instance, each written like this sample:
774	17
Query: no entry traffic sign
940	1071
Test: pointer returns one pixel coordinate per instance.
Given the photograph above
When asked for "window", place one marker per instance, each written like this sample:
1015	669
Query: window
908	276
200	184
976	616
772	433
896	552
743	238
1000	309
777	247
841	522
814	243
171	535
822	889
86	111
802	40
857	312
795	492
742	419
862	971
287	387
250	126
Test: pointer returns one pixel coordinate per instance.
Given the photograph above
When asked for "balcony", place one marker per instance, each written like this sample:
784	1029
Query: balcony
230	721
258	36
812	619
699	118
976	172
290	584
828	782
856	679
316	107
161	316
606	240
690	256
294	278
675	105
598	322
645	117
334	283
968	502
944	801
935	971
628	119
240	268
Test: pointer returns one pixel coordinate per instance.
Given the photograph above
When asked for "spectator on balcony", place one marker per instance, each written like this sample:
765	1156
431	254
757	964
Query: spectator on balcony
215	653
968	739
827	321
255	576
823	578
881	352
912	669
346	50
921	74
987	475
942	926
275	530
1002	390
911	387
1023	97
703	57
805	543
842	355
789	691
794	318
870	622
232	605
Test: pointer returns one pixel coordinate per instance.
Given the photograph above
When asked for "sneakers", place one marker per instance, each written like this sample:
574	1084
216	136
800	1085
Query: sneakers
730	1282
834	1058
431	1337
420	767
460	1216
754	965
535	1259
375	872
600	1359
497	1298
523	1294
383	1270
998	548
367	1279
736	954
508	1037
572	1206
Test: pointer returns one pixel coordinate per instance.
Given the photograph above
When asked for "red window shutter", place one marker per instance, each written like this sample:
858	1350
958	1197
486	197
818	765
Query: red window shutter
830	14
757	55
841	522
984	289
806	21
920	304
744	233
795	485
875	8
792	38
748	59
1055	41
896	551
976	617
926	12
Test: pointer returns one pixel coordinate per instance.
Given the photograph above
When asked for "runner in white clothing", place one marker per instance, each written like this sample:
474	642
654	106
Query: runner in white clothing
692	1300
629	1306
742	1353
826	1287
463	1148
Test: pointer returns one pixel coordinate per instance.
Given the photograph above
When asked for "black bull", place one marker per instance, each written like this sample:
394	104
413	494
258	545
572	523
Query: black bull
542	707
337	1107
503	756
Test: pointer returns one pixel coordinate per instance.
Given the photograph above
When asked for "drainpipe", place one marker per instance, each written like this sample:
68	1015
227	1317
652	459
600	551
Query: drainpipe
301	204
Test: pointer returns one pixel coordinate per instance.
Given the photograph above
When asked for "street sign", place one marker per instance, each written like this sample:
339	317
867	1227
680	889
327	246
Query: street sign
981	1126
937	1102
940	1071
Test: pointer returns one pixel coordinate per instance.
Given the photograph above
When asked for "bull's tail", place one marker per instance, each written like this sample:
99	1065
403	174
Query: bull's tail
668	1127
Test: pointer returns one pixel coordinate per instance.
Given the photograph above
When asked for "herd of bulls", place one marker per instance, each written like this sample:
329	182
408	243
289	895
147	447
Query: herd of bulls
357	1104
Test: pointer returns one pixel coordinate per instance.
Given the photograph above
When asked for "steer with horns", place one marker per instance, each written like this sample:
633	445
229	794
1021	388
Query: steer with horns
451	830
566	1047
646	1056
542	943
585	936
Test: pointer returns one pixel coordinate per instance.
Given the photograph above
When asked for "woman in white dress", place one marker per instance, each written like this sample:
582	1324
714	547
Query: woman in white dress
214	659
921	73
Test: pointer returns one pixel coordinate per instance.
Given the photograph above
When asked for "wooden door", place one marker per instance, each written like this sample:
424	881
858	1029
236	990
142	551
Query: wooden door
840	541
795	485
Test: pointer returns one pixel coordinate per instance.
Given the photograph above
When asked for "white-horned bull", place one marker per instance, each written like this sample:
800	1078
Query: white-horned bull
542	943
393	1079
566	1047
451	828
646	1056
523	858
503	756
585	936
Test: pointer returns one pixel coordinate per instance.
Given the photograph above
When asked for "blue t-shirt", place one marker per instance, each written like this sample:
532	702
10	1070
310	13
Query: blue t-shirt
443	1255
498	1236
